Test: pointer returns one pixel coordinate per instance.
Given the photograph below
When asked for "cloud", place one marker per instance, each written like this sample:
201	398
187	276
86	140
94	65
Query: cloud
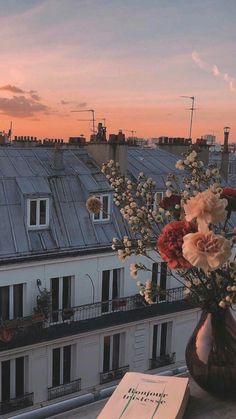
197	59
214	70
73	102
12	89
21	106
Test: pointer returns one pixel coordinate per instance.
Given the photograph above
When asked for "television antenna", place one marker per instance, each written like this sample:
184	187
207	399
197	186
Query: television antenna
93	116
191	113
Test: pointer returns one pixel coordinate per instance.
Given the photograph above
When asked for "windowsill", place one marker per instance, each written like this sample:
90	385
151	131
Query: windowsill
33	228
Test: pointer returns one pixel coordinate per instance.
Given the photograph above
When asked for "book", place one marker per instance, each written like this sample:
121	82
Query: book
147	396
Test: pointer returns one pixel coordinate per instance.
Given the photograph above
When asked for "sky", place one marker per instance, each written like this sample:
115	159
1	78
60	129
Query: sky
129	60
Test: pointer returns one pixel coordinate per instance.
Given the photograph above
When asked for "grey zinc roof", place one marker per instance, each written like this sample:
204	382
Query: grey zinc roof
154	162
28	172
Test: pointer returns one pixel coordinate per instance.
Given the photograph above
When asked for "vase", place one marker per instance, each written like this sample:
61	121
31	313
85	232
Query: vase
211	353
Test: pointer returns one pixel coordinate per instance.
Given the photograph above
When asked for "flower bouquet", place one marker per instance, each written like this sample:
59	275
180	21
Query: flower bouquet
191	230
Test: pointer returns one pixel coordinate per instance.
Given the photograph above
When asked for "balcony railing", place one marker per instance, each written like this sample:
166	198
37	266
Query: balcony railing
64	389
106	377
162	361
94	310
18	403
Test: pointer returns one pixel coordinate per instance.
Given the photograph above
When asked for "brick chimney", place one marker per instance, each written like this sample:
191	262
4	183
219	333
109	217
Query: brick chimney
224	168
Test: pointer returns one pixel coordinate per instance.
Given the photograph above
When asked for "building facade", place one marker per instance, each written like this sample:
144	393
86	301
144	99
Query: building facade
70	315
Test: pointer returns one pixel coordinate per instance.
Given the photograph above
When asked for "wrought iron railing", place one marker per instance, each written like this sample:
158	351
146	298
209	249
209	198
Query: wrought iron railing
18	403
64	389
106	377
162	361
94	310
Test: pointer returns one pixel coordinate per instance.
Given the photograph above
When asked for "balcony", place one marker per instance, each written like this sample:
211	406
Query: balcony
18	403
8	328
162	361
95	310
82	319
106	377
64	389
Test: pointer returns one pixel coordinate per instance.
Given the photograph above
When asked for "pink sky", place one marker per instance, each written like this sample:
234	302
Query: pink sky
67	54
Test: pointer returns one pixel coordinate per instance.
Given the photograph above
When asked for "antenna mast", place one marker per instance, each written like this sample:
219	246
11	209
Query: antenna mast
191	114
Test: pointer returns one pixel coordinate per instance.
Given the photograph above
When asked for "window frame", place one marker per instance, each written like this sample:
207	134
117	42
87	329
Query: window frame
100	214
38	225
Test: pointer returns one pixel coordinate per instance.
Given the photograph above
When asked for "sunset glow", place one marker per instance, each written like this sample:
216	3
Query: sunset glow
129	60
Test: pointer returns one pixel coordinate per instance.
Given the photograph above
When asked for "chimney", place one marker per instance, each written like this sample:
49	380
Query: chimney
58	158
103	152
225	155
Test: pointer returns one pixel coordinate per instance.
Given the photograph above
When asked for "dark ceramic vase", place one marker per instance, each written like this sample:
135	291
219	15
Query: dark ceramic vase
211	353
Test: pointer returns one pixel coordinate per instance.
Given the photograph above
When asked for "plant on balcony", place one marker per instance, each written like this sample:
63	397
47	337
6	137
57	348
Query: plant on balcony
44	302
67	313
190	230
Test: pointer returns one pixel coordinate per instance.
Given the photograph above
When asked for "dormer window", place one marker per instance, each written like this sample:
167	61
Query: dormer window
104	213
38	213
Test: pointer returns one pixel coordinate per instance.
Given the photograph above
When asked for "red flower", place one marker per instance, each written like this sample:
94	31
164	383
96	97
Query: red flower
169	203
170	243
230	195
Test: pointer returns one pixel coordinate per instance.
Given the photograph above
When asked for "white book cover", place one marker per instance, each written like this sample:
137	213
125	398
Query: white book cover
147	396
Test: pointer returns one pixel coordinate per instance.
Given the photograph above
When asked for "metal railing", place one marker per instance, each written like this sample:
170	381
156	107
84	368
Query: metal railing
161	361
64	389
18	403
94	310
106	377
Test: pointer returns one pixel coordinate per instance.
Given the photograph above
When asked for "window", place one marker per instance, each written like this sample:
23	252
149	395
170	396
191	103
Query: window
61	295
61	365
161	339
11	302
157	197
38	212
112	351
104	213
159	277
13	378
112	288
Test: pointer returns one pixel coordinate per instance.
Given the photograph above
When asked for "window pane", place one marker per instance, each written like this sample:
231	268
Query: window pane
66	364
56	367
33	210
163	279
20	376
163	339
97	216
154	341
4	303
42	212
5	380
116	351
105	290
66	297
158	197
18	300
105	207
55	298
115	284
106	354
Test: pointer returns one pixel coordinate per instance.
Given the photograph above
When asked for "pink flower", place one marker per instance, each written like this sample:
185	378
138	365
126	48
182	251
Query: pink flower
206	250
207	208
170	243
